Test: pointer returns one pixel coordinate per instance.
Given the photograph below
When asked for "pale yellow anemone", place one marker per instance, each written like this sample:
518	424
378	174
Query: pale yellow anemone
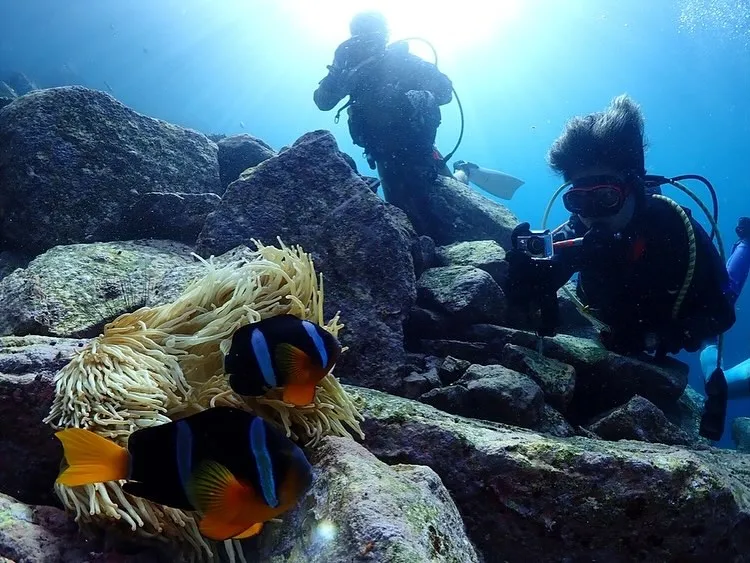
162	363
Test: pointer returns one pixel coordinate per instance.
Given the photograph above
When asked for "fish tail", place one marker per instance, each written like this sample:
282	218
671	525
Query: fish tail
91	458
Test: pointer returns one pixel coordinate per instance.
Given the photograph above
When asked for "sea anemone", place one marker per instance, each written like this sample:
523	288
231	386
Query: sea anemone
162	363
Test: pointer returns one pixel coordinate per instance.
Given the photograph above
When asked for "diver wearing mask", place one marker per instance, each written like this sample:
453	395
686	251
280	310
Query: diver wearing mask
632	250
394	103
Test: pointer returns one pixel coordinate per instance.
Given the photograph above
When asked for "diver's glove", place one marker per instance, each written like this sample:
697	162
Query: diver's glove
531	279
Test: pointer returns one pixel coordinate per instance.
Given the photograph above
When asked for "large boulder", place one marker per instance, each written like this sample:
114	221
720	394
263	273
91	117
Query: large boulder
309	195
45	534
639	419
463	293
75	161
171	215
237	153
486	255
491	393
29	453
528	497
359	508
70	291
449	212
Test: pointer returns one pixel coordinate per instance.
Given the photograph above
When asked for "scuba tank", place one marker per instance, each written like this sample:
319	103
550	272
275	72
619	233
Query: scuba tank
497	183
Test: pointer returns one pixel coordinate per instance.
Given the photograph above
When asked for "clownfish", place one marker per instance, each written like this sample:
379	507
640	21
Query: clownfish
231	466
282	351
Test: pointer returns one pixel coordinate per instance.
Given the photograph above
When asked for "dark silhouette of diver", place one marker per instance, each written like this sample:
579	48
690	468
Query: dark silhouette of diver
394	105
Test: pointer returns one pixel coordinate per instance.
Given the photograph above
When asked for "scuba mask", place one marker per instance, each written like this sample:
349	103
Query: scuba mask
596	196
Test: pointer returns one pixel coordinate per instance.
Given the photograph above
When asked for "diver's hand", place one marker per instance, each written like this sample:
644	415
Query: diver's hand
520	230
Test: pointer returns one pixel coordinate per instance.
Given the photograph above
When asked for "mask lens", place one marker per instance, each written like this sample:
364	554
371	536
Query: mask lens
594	201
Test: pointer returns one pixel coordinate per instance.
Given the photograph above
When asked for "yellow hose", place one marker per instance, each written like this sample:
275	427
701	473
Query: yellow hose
692	252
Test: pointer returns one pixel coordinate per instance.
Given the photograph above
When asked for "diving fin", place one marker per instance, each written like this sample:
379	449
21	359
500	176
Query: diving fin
494	182
715	408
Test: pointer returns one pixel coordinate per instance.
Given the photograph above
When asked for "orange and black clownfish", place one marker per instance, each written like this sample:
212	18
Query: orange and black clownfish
282	351
233	467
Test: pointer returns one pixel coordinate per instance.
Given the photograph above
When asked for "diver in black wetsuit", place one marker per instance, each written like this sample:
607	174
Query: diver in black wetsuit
394	103
632	250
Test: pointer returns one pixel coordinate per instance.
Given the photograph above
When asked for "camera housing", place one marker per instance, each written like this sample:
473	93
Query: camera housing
537	244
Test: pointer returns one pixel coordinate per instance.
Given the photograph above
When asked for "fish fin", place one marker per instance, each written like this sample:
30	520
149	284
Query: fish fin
91	458
229	506
216	527
294	364
299	395
253	530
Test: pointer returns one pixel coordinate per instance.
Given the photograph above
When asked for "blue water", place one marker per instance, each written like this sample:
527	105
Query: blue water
521	70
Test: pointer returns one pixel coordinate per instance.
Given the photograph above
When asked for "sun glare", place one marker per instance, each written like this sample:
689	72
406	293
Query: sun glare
451	27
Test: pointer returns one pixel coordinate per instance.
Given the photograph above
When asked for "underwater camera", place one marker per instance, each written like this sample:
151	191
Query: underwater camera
538	244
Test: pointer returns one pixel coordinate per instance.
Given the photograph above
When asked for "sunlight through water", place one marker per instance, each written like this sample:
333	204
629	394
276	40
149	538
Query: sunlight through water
452	27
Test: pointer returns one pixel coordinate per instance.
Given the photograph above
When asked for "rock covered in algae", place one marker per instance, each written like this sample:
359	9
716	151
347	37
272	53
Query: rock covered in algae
309	195
359	508
29	453
69	291
527	497
604	380
44	534
75	160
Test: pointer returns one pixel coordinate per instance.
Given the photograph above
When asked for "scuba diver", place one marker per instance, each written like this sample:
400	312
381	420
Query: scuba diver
495	182
394	103
738	377
648	272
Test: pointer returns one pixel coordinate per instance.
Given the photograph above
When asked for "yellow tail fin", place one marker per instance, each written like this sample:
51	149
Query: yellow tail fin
91	458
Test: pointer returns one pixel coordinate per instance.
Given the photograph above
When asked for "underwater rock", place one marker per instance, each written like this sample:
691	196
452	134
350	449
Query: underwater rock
604	380
29	453
741	433
639	419
451	370
417	384
528	497
70	291
486	255
493	393
450	212
309	195
359	508
45	534
464	293
425	323
686	414
424	255
553	422
171	216
75	161
237	153
556	379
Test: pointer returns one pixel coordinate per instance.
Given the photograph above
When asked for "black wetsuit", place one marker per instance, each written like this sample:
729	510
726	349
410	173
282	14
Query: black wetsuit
631	281
394	100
